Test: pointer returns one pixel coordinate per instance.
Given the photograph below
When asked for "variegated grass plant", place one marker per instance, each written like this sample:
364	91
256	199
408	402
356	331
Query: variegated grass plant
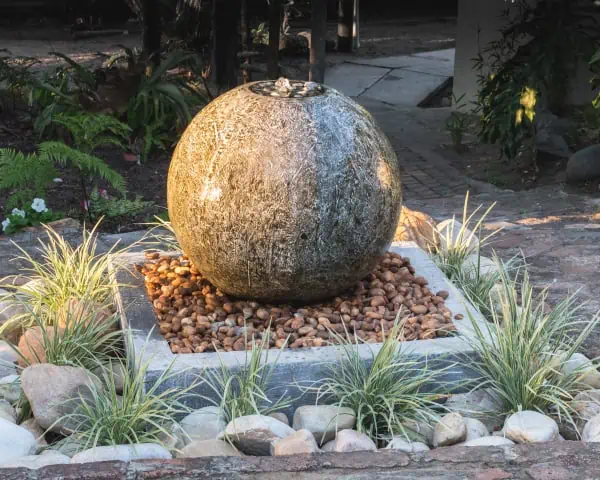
522	349
143	413
59	273
390	394
247	390
161	235
455	243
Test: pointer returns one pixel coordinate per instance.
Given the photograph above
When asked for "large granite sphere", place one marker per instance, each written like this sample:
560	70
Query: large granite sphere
284	192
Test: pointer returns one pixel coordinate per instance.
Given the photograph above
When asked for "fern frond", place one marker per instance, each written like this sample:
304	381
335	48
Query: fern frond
62	154
91	130
28	174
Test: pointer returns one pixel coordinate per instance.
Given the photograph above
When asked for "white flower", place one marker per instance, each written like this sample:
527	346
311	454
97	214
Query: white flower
57	180
5	224
39	205
20	213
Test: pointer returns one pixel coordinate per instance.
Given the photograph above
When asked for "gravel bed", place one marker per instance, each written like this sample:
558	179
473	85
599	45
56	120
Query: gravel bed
195	317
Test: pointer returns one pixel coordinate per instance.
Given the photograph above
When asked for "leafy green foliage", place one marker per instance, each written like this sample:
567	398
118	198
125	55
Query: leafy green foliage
27	217
521	350
111	207
528	67
27	175
247	392
15	76
458	123
389	395
92	130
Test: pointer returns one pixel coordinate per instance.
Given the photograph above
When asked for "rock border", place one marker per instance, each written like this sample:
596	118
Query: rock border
295	368
560	460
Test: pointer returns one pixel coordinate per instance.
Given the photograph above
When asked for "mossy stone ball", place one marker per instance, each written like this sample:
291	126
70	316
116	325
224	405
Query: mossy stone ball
284	193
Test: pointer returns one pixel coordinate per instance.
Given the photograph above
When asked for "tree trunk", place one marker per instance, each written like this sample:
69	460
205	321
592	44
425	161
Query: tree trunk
317	42
225	42
152	30
274	34
246	37
345	23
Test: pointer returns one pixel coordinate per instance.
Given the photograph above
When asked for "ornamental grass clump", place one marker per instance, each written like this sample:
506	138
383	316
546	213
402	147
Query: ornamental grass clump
86	335
59	273
246	391
389	394
459	240
522	349
143	413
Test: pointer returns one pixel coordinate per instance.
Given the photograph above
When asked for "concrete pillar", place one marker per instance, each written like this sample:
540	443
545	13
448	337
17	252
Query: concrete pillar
479	22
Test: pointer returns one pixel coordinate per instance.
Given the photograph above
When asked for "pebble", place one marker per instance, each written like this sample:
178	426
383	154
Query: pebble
475	429
255	434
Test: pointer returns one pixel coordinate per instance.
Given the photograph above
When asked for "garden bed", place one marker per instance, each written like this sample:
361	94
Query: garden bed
294	366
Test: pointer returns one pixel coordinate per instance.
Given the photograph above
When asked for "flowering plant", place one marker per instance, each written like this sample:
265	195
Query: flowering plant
33	214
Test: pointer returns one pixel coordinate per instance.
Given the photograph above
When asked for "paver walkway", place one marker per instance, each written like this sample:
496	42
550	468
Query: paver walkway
391	88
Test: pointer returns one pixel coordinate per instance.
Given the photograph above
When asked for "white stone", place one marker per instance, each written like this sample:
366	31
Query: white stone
300	442
591	431
7	412
451	429
282	417
485	265
323	421
350	441
530	427
14	441
55	392
475	429
590	375
405	446
34	462
123	453
203	424
208	448
450	235
586	405
490	441
254	434
37	431
8	359
482	404
10	388
174	438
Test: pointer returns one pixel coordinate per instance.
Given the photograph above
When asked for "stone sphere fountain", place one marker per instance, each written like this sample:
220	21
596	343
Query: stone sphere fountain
284	191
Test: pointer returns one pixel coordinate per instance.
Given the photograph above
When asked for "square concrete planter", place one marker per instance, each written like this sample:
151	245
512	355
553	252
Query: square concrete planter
295	367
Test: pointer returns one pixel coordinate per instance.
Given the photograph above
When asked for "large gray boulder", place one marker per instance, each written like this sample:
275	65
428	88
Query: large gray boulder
584	165
323	421
255	434
300	442
591	431
208	448
451	429
34	462
350	441
203	424
123	453
528	426
483	405
15	441
55	392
